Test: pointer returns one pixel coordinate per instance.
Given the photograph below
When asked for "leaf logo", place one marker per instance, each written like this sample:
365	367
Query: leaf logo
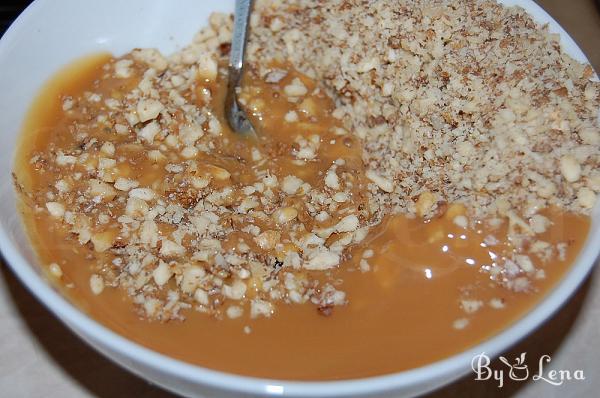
519	371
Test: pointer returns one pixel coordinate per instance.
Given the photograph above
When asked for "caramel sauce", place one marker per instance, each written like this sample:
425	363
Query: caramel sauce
400	314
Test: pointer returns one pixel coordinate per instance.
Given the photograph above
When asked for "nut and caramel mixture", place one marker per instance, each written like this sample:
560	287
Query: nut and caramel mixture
181	212
469	102
366	111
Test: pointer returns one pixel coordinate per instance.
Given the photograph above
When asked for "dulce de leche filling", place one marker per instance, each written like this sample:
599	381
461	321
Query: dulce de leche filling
285	256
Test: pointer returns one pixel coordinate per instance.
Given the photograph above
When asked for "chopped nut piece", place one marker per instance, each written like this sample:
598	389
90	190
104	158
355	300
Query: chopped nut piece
525	263
148	109
108	148
539	224
461	221
460	323
145	194
285	215
201	296
331	179
291	184
368	253
275	76
170	248
102	190
152	57
200	182
570	168
236	291
56	209
590	136
162	274
55	270
149	132
260	308
295	89
189	134
207	67
234	312
218	173
96	284
425	203
323	259
124	184
586	198
471	306
348	224
383	183
268	239
497	303
291	117
136	207
103	241
189	152
122	68
65	160
121	129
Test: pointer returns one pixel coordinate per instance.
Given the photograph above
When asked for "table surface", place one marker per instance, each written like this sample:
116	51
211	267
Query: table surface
41	357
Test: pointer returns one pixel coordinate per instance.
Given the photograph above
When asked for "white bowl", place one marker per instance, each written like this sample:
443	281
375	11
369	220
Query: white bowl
50	34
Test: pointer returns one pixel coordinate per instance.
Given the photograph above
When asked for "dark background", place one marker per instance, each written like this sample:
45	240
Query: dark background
9	10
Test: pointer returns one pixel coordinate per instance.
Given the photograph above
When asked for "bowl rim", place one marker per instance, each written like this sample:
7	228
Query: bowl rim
454	365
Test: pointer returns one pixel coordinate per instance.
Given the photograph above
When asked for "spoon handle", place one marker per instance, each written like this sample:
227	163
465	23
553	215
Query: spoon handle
243	8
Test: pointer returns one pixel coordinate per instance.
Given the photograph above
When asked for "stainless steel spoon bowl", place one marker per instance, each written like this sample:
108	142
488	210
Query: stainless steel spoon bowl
236	116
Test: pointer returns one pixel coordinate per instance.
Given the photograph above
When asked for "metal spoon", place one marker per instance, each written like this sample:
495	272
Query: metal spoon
236	116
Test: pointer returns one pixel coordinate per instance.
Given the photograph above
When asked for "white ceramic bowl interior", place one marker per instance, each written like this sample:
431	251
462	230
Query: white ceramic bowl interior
52	33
